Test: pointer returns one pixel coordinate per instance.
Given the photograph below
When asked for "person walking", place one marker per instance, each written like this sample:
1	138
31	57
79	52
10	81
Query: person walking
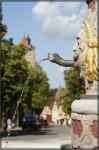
9	125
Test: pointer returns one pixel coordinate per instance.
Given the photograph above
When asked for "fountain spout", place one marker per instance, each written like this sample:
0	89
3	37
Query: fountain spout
42	60
55	58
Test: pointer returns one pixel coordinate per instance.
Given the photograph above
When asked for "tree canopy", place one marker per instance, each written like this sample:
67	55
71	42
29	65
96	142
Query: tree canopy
74	88
14	73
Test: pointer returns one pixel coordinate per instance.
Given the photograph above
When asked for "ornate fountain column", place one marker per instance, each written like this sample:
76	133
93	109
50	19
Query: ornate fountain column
85	123
85	112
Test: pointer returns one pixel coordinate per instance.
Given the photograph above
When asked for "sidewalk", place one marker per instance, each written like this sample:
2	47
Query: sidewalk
13	129
4	133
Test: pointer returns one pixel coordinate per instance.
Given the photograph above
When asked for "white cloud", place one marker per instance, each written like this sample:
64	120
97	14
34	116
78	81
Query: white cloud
59	19
42	10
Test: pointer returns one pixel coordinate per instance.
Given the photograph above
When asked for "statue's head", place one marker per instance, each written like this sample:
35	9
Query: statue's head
91	4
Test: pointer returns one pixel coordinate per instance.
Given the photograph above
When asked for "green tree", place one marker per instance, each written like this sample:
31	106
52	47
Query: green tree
14	73
74	88
37	90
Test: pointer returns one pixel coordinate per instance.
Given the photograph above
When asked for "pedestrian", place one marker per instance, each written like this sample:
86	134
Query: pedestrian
69	122
9	125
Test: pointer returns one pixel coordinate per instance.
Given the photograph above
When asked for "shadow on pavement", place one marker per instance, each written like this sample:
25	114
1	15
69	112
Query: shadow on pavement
66	147
28	132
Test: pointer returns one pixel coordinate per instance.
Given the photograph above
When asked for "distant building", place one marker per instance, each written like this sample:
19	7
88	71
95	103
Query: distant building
55	113
58	116
46	113
54	109
30	54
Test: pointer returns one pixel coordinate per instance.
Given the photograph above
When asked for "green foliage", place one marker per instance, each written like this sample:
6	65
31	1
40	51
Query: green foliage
52	93
37	90
14	72
74	88
3	28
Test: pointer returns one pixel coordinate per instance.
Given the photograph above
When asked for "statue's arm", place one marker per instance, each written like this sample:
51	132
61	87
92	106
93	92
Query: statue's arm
55	58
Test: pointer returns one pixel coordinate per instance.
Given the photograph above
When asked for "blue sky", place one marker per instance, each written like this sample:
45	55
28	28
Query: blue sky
52	27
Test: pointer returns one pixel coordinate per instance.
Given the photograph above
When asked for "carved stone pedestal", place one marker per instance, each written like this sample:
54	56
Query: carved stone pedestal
85	123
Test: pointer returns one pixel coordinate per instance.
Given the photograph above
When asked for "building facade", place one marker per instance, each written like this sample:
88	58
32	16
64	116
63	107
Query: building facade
30	53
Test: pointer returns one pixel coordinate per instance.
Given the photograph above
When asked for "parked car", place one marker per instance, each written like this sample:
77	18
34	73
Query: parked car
30	123
43	123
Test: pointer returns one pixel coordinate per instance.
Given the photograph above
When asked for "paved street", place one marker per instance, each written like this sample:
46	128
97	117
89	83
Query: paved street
51	137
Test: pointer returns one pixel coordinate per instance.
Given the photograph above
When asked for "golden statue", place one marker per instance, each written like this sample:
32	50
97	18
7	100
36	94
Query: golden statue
91	62
85	50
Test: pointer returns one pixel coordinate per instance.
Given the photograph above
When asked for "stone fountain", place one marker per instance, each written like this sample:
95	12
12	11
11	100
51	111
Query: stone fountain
85	112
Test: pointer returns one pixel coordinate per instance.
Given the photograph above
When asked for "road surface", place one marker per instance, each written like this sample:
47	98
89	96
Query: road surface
50	137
